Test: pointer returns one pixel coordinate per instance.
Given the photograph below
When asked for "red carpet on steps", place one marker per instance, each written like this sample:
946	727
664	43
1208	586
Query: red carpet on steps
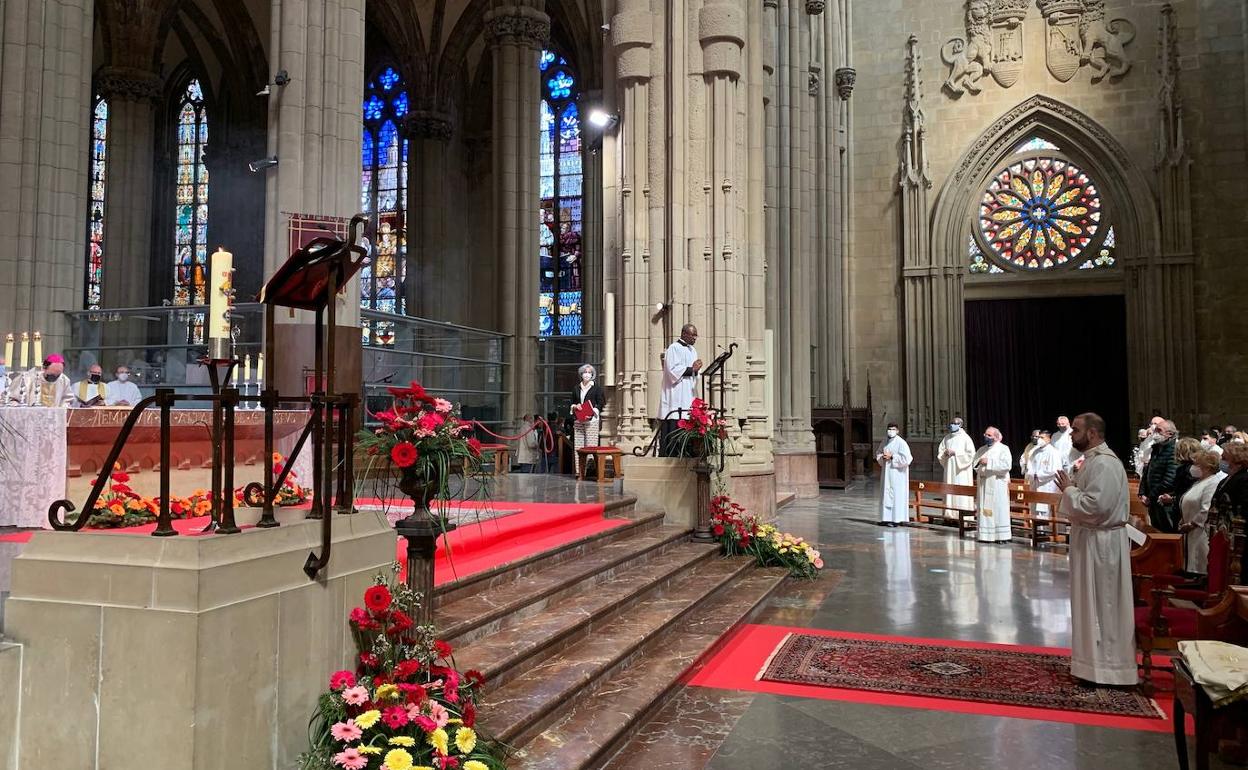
745	653
473	547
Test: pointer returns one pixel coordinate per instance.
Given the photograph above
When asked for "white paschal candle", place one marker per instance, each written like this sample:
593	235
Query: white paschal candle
220	300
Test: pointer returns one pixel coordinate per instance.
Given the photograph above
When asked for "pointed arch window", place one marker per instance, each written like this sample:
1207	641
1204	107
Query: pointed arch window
560	301
95	204
190	233
383	195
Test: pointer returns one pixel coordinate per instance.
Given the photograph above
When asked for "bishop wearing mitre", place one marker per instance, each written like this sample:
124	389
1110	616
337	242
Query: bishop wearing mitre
957	454
42	387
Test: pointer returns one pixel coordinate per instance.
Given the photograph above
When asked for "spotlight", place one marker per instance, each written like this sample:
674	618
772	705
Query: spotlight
262	164
603	119
280	79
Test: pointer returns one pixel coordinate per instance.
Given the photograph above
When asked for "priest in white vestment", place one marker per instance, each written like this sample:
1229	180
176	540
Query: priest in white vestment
894	458
91	391
1042	471
1097	503
992	499
123	392
1061	441
1024	459
680	374
42	387
956	453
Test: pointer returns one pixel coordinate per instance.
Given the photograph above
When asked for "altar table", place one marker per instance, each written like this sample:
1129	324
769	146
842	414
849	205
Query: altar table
41	448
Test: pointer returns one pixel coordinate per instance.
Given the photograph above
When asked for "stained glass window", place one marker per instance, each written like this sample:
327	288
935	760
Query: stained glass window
1039	212
1035	144
979	263
383	195
1105	256
95	208
560	302
190	234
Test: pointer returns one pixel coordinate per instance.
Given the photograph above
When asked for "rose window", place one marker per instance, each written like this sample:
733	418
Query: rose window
1039	213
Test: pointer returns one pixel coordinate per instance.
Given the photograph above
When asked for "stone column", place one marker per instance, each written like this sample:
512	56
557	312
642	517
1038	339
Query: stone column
314	130
428	133
45	98
516	31
132	96
830	147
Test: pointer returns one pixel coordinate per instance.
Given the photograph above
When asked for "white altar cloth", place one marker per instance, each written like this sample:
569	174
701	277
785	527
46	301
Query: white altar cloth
32	463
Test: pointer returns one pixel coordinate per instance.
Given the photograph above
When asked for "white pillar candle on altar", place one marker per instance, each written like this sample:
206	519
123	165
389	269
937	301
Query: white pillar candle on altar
220	300
260	368
37	358
247	368
8	350
22	351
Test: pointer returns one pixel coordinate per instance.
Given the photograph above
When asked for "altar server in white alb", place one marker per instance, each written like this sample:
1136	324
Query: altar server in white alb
1060	440
956	453
1096	502
1046	461
121	391
894	458
91	391
992	498
680	374
42	387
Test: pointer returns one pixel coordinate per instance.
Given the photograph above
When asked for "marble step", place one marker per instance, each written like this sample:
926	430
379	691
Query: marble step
528	704
525	595
517	647
596	725
491	579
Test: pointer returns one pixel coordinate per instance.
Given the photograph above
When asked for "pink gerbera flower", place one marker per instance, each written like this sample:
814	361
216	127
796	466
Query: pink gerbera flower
395	717
346	731
439	714
441	405
355	696
351	759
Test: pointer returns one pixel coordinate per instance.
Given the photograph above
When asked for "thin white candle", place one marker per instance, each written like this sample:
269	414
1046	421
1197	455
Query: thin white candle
37	359
260	368
247	368
23	351
8	350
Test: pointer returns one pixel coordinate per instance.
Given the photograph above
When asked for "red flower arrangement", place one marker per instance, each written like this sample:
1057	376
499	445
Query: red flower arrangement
704	429
742	533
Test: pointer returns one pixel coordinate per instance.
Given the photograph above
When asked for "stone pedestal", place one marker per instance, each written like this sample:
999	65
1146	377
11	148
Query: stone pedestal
208	651
797	472
664	484
756	491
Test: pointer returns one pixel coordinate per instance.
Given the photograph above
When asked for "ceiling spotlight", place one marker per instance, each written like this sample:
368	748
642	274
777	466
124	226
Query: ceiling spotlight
602	119
262	164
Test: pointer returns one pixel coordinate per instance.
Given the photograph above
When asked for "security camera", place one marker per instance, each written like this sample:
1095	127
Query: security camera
263	163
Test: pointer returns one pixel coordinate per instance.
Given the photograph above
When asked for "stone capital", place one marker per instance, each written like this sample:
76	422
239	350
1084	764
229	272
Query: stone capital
428	124
815	7
129	83
517	25
845	79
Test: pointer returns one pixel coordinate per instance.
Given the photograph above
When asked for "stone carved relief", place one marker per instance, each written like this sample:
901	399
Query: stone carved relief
1007	41
129	83
1104	42
845	79
518	29
1062	46
970	58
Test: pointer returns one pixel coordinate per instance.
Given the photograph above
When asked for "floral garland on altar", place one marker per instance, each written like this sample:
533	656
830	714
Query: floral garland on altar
405	706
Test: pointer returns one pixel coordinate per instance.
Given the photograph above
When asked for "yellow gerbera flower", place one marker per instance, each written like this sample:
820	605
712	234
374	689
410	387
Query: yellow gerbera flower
437	739
474	764
398	759
368	749
465	740
387	692
368	718
403	740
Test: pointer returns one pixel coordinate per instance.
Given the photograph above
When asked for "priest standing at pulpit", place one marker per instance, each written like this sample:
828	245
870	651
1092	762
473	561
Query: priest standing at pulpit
91	391
42	387
680	374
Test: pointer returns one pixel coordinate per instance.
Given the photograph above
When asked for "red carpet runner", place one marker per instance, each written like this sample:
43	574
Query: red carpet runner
740	660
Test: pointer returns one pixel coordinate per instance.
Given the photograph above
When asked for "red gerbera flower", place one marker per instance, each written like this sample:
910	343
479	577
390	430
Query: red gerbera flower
400	622
470	714
395	716
404	454
341	680
474	677
377	598
407	668
368	660
474	446
121	476
442	648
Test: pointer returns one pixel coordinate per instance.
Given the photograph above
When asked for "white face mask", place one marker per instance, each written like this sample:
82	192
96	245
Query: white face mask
1196	472
123	376
892	432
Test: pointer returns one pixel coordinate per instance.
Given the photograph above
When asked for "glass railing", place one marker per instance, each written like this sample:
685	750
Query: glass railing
162	346
558	359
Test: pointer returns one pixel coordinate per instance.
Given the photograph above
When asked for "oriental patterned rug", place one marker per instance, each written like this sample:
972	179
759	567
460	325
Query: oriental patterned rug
999	676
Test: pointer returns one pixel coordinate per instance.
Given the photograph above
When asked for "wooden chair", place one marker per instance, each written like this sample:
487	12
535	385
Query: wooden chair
601	455
1035	528
501	453
932	495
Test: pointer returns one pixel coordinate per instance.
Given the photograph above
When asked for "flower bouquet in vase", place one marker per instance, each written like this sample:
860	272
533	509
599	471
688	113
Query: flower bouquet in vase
702	435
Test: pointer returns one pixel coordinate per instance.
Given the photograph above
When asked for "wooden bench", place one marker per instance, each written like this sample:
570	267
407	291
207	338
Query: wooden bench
601	455
963	517
1037	529
502	457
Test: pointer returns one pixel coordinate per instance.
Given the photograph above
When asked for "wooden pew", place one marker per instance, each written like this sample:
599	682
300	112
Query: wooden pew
931	495
1055	528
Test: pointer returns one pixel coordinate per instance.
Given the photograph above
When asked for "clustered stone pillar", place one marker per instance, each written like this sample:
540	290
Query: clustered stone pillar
132	96
314	130
45	90
516	31
428	132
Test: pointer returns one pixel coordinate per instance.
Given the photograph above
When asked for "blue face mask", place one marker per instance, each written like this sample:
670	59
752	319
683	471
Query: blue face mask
954	427
989	440
1225	466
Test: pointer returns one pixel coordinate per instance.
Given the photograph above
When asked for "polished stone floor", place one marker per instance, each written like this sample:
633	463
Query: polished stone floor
907	582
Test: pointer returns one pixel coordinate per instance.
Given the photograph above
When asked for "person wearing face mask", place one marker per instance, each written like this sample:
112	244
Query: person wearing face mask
1209	442
894	458
91	391
1194	507
587	404
1158	480
1060	440
121	391
42	387
1230	499
1146	446
1228	433
956	453
1096	502
1025	460
1185	449
992	465
1042	476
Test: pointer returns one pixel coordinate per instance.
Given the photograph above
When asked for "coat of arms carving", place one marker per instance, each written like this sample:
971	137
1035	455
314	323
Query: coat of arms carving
970	58
1007	40
1077	33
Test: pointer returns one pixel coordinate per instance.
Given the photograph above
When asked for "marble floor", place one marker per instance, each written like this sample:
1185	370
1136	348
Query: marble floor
908	582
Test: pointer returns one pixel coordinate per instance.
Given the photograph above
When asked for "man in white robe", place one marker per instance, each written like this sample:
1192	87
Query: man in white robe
680	374
1060	441
955	453
123	392
1025	459
992	499
1042	470
91	391
1096	502
894	458
42	387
